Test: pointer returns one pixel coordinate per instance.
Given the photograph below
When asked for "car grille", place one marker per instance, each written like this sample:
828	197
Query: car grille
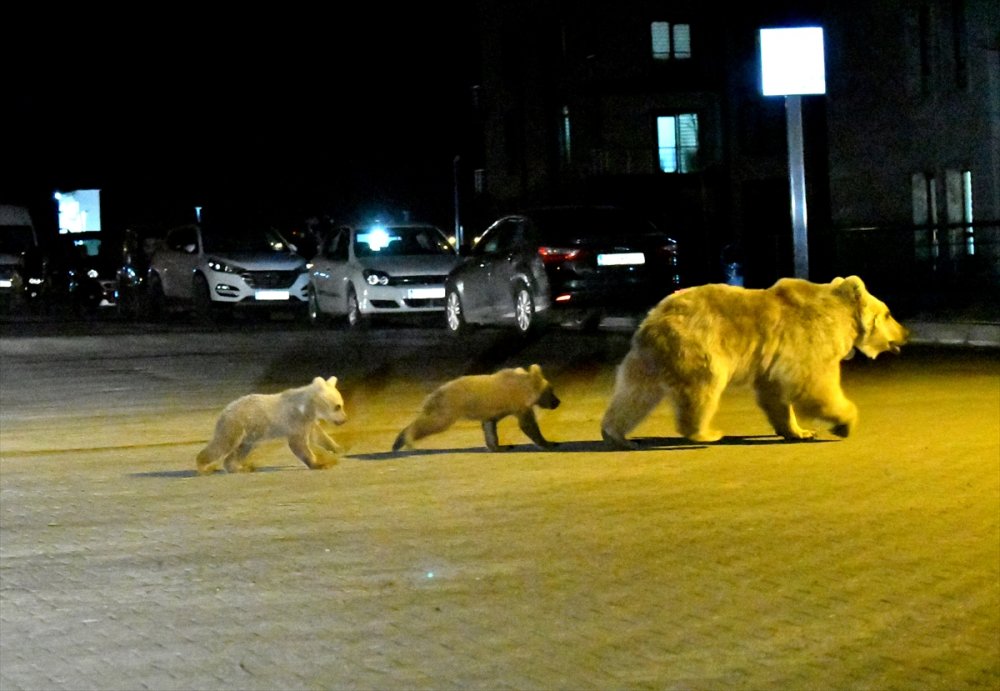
416	280
268	280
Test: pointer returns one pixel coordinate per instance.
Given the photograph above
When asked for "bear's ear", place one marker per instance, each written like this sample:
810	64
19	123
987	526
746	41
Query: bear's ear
536	374
317	381
852	286
332	381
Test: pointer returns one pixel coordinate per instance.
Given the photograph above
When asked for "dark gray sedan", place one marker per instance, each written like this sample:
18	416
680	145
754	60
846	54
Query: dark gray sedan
561	264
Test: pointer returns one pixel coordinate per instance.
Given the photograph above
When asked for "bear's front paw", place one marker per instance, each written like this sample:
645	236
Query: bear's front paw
800	435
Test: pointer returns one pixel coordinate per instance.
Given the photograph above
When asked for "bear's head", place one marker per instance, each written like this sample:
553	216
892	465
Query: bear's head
546	395
327	401
878	331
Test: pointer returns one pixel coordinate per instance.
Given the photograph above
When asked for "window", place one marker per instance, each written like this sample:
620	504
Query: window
958	206
671	41
565	140
677	142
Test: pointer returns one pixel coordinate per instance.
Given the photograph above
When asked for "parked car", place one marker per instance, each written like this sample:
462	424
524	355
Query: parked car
139	243
220	265
83	272
393	269
22	263
561	264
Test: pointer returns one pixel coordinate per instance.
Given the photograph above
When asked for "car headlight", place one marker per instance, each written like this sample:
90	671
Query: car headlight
223	267
376	278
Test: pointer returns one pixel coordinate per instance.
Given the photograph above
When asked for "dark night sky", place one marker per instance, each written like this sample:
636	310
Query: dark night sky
298	108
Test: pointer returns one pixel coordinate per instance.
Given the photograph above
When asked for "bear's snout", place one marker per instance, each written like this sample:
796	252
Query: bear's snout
548	400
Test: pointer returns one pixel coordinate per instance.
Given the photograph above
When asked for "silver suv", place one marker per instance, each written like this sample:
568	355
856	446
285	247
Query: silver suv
213	269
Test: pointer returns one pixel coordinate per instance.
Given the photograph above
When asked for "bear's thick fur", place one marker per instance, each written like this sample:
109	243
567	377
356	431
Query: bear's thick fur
487	398
787	341
293	413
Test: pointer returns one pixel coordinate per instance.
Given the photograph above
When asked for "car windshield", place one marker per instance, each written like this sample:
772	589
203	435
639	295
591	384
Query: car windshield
230	237
393	241
562	225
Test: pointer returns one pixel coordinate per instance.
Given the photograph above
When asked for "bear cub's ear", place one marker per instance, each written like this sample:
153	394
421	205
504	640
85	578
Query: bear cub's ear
536	372
332	381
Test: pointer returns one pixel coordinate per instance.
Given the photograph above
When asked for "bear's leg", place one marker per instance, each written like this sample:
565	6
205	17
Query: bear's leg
529	425
299	444
826	401
637	391
319	438
490	433
425	425
226	438
695	407
771	399
234	461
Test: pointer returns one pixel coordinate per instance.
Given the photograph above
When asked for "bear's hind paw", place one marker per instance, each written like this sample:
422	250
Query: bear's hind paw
618	443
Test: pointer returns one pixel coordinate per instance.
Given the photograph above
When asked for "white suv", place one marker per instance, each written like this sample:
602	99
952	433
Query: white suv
214	269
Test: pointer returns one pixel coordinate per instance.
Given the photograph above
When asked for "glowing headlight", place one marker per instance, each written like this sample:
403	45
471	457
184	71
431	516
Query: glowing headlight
222	267
376	278
92	273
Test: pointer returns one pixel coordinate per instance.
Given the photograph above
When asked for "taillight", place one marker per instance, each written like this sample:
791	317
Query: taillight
558	255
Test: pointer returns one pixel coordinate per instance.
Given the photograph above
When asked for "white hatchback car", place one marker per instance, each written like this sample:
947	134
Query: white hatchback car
392	269
214	269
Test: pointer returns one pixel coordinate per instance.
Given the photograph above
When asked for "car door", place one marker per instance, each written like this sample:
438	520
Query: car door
176	259
479	294
506	267
330	267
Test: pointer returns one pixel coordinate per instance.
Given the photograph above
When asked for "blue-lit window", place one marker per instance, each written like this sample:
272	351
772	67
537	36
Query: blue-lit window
671	41
677	142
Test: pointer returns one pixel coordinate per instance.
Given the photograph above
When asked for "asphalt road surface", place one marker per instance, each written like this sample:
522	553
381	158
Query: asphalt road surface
870	562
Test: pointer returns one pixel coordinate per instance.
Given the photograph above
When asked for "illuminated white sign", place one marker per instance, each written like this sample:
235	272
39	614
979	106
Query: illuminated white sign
791	61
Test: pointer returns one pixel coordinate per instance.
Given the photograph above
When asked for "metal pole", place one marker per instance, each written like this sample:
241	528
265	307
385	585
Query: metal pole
797	183
458	223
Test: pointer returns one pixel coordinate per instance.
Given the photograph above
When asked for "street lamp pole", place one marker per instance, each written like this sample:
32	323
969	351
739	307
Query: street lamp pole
797	185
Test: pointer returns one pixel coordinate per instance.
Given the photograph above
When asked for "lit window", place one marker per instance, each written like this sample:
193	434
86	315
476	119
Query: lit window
565	139
671	41
677	142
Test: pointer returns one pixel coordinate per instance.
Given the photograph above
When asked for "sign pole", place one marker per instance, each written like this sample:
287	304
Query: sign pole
797	185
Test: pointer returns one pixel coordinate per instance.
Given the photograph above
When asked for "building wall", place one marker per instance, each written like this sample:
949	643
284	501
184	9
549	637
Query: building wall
902	100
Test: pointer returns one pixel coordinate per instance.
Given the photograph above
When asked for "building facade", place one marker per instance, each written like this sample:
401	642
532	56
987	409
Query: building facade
659	106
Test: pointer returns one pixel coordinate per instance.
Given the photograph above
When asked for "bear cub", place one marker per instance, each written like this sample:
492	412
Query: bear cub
487	398
293	413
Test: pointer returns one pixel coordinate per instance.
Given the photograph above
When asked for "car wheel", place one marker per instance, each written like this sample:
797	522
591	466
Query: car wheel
454	317
204	310
355	319
316	316
524	310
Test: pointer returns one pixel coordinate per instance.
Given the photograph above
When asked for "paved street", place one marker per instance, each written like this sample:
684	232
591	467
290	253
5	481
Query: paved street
866	563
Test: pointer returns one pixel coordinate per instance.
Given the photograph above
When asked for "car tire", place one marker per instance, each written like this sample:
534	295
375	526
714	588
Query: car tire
354	318
524	311
454	314
315	314
202	306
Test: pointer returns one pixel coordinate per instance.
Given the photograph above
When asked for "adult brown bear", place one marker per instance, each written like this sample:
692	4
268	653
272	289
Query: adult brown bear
787	341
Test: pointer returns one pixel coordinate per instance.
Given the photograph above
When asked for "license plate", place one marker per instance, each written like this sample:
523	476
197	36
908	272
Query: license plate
272	295
424	293
621	259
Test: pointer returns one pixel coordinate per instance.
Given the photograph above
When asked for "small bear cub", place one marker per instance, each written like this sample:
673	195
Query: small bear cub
487	398
293	413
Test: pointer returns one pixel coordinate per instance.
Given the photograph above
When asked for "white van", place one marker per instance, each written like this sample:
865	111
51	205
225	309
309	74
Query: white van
22	269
